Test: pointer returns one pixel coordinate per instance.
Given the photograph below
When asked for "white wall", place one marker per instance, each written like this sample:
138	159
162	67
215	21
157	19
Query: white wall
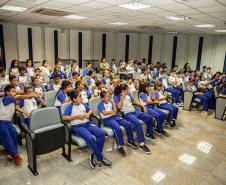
16	46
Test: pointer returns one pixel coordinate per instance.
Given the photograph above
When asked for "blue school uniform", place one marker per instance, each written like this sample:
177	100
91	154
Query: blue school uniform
70	74
223	91
86	130
60	98
8	133
159	115
91	81
54	87
28	105
86	95
114	122
38	89
85	72
59	73
133	116
163	104
106	81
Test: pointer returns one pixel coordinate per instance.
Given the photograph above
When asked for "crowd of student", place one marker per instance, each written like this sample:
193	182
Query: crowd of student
23	88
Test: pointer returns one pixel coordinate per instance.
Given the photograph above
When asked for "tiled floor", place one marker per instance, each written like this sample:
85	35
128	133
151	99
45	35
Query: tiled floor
138	168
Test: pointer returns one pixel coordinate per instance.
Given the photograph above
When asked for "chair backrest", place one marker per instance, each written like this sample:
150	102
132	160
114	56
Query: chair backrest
44	117
93	103
215	92
135	94
50	98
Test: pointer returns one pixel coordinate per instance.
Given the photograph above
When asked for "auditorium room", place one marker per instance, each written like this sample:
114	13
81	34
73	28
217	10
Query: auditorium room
112	92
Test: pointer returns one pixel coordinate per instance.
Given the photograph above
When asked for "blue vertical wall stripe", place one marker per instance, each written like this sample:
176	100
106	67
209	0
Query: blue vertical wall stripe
224	63
199	53
150	49
80	49
2	48
174	52
30	47
103	45
55	44
127	49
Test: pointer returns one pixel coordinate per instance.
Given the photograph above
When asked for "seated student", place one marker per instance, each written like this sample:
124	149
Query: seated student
78	113
160	73
204	72
85	72
100	87
57	71
200	95
86	95
146	99
223	91
131	84
114	83
37	88
14	68
55	84
23	78
108	110
215	79
19	87
4	78
124	102
114	66
45	68
163	104
62	95
30	68
74	68
175	92
75	77
62	67
106	77
175	80
92	78
38	74
8	133
186	76
209	73
145	74
26	106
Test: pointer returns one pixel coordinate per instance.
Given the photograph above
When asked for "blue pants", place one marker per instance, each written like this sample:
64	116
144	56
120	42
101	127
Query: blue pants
179	88
205	101
134	118
159	115
173	111
8	135
114	122
87	131
175	93
210	97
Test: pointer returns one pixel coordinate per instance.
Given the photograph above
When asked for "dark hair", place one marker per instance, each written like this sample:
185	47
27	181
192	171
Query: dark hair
28	61
98	82
74	94
37	69
103	94
204	67
33	79
56	76
65	84
43	62
142	87
119	89
2	69
22	69
13	63
58	60
8	88
11	77
157	84
77	83
75	73
26	88
129	77
91	72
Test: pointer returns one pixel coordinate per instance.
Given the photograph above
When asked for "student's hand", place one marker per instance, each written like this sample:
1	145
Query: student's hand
145	109
86	116
26	114
82	117
36	95
156	101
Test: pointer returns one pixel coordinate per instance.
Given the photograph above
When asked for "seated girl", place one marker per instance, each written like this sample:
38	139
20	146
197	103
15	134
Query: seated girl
86	95
30	68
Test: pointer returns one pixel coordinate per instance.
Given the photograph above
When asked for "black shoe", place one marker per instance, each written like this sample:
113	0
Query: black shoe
169	125
92	161
172	123
121	151
106	162
150	136
145	149
157	131
165	133
132	144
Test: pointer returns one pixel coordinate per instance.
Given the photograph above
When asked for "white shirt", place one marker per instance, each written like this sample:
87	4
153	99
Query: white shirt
131	88
84	97
45	71
127	105
144	77
29	105
6	112
23	79
78	110
108	107
4	80
165	83
30	71
161	95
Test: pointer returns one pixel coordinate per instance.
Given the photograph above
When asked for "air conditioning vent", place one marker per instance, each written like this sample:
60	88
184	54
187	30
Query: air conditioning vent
51	12
153	28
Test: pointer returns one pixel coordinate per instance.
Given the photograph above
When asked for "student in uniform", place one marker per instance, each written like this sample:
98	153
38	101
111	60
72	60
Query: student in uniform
163	104
8	133
78	113
37	88
146	99
57	71
124	102
100	87
106	77
62	67
4	78
131	84
26	106
30	68
19	87
86	95
23	78
74	78
108	110
145	74
92	78
223	91
85	72
14	68
62	95
55	84
38	74
74	68
45	68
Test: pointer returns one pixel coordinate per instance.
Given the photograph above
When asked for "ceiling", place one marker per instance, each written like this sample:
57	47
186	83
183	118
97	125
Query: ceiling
102	12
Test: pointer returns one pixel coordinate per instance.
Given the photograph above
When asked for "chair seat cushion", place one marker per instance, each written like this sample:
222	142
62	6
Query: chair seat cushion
79	141
165	111
45	129
198	100
108	131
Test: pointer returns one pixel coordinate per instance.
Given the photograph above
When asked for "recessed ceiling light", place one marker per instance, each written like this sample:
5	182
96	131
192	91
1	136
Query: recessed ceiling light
204	146
158	176
204	25
118	23
134	6
177	18
74	17
13	8
187	158
172	32
220	31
